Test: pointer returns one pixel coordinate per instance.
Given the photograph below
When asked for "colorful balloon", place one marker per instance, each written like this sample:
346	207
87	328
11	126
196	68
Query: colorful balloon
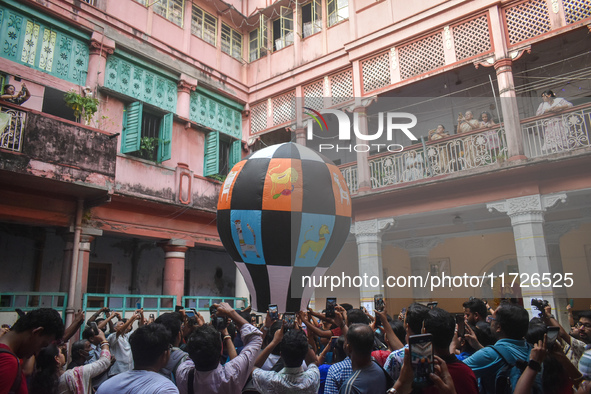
284	214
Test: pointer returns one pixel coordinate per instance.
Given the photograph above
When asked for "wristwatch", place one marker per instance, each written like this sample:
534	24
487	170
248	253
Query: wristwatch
392	391
533	364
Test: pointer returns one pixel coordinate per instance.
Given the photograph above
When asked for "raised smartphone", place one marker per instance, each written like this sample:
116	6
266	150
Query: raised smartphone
330	305
421	351
273	312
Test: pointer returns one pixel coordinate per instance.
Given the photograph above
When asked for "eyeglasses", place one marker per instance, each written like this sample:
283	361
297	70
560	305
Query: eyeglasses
587	326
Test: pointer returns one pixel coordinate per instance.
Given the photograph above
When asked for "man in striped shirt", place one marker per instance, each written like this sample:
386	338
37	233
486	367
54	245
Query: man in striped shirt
368	377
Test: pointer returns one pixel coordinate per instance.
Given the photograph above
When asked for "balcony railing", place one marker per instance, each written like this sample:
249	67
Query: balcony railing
561	132
203	303
125	303
27	301
542	136
12	125
431	159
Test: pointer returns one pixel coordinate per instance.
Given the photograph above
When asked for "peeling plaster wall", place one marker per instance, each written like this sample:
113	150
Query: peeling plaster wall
17	259
203	266
212	273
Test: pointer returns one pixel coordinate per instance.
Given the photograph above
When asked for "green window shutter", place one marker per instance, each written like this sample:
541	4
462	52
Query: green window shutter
235	153
165	136
211	165
132	128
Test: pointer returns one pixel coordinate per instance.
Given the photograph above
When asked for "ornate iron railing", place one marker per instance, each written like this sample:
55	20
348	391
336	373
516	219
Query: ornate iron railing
566	131
12	125
350	174
462	152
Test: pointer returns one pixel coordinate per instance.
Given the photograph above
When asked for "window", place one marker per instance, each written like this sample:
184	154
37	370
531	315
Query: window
99	282
338	10
311	18
221	153
231	42
173	10
54	104
283	29
204	25
99	278
146	135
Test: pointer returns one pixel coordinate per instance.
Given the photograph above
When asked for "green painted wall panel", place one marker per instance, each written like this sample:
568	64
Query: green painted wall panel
215	115
135	81
42	46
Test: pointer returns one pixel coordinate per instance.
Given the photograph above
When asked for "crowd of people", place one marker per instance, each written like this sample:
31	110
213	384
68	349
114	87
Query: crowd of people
424	349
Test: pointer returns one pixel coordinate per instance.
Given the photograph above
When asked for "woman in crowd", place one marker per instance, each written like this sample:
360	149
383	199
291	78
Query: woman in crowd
50	378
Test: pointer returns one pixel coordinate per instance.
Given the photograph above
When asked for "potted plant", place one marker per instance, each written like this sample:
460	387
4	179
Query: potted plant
149	148
82	104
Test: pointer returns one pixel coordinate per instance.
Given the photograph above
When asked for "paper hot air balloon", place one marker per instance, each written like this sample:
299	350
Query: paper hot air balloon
284	213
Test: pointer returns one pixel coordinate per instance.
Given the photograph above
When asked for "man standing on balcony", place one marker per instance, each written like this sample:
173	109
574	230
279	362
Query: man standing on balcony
11	96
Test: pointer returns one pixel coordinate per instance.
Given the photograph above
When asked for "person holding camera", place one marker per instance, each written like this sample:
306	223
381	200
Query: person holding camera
203	373
11	96
78	378
119	343
291	378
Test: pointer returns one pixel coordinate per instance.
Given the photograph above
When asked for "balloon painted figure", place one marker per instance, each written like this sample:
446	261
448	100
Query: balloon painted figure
284	213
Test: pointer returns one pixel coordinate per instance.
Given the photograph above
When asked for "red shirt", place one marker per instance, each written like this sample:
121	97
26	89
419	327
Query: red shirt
462	376
8	371
336	332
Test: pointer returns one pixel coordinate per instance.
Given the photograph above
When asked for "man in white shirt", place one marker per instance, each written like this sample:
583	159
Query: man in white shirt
150	346
292	378
119	344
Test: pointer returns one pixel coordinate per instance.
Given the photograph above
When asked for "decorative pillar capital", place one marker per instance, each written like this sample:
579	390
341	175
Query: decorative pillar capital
174	248
101	45
186	86
360	105
529	208
554	231
371	230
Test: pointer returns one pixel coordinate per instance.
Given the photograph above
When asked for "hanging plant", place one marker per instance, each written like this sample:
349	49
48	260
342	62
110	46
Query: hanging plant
83	105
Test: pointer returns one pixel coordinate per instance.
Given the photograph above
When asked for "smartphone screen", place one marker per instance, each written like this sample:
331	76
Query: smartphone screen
190	313
432	304
552	336
273	312
330	305
461	324
421	351
289	320
333	341
378	302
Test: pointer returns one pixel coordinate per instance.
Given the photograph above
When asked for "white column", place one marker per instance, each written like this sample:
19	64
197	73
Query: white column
527	219
369	252
241	290
418	251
